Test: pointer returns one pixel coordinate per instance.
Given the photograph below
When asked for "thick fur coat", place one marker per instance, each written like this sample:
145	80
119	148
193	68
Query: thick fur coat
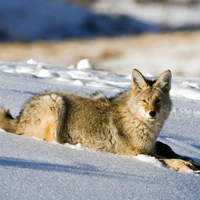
127	124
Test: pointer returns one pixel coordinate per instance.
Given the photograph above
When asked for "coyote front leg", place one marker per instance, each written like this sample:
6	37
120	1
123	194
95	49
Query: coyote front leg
169	158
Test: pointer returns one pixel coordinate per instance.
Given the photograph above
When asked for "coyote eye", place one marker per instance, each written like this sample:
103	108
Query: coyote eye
144	100
158	101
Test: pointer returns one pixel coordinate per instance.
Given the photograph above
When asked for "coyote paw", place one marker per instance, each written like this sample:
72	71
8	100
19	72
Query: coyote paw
180	165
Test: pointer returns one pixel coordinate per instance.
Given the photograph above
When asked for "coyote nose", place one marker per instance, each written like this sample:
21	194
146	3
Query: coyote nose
152	113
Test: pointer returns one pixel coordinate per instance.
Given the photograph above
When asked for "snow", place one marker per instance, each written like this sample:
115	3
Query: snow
84	64
34	169
169	14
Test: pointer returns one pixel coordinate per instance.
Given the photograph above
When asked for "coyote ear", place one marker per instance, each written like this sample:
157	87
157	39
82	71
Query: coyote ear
138	81
164	81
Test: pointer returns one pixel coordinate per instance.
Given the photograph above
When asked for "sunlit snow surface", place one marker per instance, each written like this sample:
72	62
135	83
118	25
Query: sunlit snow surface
34	169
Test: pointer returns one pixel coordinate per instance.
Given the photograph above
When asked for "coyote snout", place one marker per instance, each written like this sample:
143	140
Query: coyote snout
152	109
152	113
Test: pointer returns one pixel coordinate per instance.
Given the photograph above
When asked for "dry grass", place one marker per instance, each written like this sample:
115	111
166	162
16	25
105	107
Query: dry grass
62	53
150	53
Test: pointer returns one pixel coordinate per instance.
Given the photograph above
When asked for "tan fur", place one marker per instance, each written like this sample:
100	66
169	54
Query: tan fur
178	164
127	124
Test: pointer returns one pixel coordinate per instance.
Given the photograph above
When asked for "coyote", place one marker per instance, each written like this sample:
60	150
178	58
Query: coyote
127	124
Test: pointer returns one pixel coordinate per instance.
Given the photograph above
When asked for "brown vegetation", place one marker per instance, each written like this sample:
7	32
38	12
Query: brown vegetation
150	53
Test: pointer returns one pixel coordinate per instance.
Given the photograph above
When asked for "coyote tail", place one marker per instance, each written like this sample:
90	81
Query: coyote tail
7	122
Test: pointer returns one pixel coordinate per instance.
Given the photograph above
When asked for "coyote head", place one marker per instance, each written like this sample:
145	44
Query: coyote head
151	97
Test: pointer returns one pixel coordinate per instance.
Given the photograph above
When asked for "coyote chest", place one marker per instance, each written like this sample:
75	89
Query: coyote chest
146	137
